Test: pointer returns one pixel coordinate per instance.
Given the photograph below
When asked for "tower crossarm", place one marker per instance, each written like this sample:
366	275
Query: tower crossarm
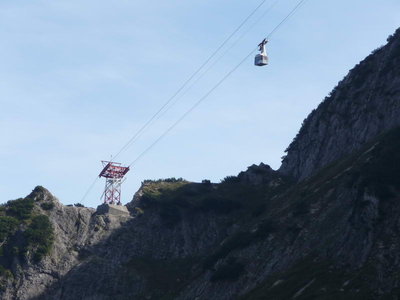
114	174
113	170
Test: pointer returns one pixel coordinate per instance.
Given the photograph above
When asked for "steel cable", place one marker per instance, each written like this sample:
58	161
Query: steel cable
172	103
138	133
156	115
215	86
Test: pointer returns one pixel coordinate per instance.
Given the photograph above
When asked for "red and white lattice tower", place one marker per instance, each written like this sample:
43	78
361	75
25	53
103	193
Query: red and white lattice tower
114	174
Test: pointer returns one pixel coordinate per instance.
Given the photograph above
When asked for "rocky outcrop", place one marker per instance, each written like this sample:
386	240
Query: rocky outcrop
74	229
261	174
334	233
151	256
363	105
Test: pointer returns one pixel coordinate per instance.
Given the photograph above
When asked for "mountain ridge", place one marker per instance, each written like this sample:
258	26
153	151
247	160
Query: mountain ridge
351	115
323	226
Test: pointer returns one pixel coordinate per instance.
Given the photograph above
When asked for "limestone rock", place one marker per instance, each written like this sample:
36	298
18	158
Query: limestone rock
333	233
363	105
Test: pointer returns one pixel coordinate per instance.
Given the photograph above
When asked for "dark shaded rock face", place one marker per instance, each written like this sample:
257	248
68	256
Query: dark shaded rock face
333	233
364	104
261	174
333	236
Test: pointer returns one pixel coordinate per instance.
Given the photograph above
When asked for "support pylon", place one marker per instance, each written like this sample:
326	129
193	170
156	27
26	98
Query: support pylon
114	174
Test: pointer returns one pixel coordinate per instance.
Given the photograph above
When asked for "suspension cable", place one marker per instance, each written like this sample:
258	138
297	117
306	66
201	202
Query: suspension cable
158	112
193	107
169	129
292	12
137	134
89	190
178	98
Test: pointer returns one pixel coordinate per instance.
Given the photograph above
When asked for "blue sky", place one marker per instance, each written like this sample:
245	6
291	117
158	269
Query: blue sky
78	78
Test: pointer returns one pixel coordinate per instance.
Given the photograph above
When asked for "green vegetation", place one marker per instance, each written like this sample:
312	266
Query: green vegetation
7	226
178	198
373	170
392	36
230	180
139	211
47	205
20	208
173	196
78	205
170	215
22	230
40	189
257	209
170	180
39	236
5	272
173	179
218	205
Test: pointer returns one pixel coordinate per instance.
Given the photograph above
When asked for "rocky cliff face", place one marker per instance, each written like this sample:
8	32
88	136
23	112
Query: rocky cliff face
363	105
75	228
332	233
335	235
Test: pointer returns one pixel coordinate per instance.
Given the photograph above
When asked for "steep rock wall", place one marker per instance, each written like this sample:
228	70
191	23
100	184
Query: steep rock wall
335	233
363	105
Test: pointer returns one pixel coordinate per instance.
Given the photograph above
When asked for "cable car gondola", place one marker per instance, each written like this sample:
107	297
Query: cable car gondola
262	58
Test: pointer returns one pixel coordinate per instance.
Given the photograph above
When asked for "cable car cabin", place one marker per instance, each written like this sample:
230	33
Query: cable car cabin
261	60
